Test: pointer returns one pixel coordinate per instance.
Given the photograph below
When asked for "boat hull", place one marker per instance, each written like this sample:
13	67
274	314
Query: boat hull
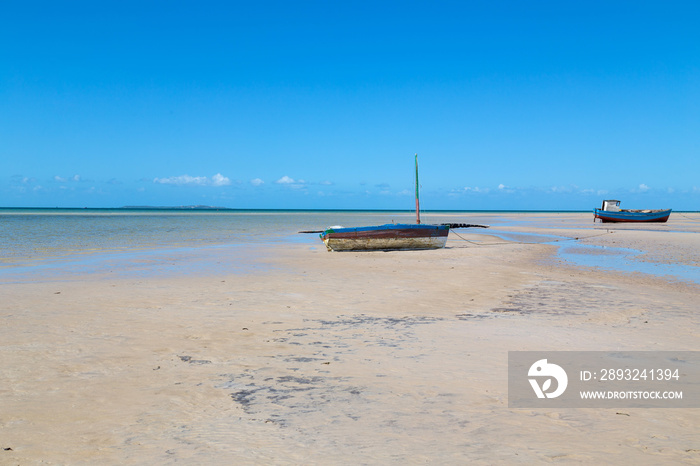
386	237
632	216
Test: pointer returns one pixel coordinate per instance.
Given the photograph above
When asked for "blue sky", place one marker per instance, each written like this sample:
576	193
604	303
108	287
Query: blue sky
322	104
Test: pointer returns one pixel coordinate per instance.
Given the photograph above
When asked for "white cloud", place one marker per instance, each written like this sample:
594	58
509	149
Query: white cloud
560	189
643	187
216	180
285	180
476	189
61	179
505	189
182	179
220	180
256	182
291	182
595	192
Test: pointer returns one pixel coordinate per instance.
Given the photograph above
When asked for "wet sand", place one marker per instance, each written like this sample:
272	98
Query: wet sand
311	357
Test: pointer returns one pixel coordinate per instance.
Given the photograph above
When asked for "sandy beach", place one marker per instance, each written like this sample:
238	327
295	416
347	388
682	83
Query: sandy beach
312	357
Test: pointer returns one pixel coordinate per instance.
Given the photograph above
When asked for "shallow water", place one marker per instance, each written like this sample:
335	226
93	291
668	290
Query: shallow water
604	257
43	244
625	260
203	260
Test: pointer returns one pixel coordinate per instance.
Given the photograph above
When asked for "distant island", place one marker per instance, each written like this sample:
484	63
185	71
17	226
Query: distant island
182	207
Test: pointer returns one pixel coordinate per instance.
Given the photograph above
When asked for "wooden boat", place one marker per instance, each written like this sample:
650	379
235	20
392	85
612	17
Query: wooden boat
610	212
388	237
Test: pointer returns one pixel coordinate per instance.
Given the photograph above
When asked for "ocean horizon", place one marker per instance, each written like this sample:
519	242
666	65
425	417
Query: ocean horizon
233	209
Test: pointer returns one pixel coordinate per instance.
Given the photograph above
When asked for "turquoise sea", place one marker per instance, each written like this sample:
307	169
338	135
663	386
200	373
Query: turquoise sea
39	244
35	233
66	244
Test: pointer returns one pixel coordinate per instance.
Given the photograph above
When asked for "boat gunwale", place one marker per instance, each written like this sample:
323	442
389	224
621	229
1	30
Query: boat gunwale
402	230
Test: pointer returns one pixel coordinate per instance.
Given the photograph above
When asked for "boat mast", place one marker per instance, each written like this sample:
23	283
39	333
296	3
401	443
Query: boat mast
417	203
